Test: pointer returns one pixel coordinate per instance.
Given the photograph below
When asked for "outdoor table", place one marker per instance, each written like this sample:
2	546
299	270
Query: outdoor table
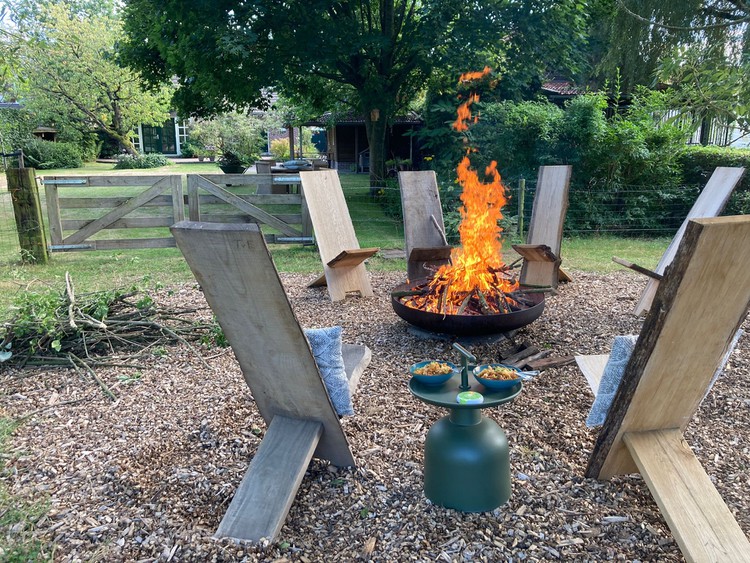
467	459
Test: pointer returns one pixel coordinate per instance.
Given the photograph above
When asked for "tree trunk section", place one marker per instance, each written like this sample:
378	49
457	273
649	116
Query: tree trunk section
376	126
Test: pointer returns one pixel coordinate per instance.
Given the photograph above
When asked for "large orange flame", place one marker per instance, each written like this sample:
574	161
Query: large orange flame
476	270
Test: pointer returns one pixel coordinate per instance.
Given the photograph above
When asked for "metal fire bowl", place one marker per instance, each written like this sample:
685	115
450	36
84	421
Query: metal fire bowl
467	325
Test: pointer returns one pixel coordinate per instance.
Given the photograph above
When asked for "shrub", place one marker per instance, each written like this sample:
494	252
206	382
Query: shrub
44	155
698	163
235	133
141	161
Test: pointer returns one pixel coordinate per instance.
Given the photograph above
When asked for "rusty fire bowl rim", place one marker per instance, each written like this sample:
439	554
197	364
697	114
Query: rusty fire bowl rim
466	325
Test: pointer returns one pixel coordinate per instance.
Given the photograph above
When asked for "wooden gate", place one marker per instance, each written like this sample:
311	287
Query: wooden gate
160	199
93	212
217	198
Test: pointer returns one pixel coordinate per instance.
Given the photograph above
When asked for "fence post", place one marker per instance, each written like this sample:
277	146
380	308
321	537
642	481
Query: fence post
28	212
521	199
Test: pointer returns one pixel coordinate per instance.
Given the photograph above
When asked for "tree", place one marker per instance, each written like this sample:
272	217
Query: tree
67	71
373	57
700	48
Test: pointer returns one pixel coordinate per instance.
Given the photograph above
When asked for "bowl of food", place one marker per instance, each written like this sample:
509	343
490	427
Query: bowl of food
497	376
431	372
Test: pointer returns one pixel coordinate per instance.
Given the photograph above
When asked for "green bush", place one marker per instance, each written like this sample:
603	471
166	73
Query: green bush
44	155
698	163
16	126
141	161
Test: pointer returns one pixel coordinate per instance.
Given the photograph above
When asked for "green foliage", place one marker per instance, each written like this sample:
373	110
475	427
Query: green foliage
70	75
698	163
45	155
519	136
626	167
16	126
237	137
152	160
366	55
280	149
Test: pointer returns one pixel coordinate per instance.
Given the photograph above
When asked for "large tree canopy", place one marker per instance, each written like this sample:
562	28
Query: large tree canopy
66	70
372	56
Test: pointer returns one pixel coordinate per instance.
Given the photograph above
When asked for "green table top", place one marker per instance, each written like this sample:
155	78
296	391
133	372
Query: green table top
445	395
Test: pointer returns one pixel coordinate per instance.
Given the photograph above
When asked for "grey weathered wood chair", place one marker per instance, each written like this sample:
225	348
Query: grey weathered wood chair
541	253
424	236
697	309
239	280
343	260
709	203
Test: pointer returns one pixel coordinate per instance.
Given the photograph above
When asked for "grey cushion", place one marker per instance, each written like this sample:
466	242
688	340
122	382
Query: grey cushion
326	347
622	349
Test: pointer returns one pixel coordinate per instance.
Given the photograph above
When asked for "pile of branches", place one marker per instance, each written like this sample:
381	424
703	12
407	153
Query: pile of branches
107	328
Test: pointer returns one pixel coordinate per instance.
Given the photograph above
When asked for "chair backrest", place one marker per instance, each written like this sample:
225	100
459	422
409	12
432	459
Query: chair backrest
710	203
343	260
423	222
239	280
329	213
546	225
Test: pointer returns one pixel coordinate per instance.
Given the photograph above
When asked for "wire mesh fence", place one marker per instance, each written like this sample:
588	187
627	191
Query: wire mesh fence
9	246
627	211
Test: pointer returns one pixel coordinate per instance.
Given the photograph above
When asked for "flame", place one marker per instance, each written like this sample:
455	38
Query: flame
476	270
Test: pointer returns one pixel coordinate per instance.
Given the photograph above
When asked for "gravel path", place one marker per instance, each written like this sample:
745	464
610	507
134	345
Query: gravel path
149	476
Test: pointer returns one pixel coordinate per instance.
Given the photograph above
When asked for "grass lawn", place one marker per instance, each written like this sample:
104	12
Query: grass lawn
93	271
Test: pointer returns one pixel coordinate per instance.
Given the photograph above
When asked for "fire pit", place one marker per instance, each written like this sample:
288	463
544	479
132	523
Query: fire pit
463	324
475	293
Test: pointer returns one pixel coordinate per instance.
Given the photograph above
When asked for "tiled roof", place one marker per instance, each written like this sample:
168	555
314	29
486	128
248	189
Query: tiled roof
562	88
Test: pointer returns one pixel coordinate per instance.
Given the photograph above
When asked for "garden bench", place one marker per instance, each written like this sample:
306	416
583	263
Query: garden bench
709	203
424	236
343	260
697	309
541	253
239	280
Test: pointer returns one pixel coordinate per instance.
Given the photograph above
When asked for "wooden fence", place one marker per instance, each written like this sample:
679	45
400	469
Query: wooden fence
99	212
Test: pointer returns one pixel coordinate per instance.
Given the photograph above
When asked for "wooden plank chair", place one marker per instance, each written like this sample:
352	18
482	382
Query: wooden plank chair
343	260
697	310
239	280
710	203
424	235
541	253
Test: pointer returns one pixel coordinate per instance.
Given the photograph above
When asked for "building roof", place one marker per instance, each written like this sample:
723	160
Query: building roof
562	88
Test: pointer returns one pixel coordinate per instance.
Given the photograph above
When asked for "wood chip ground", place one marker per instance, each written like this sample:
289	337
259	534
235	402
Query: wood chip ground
147	477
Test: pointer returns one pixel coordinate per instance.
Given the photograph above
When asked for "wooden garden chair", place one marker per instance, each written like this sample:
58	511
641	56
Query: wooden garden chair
424	235
710	203
541	253
697	309
343	260
239	280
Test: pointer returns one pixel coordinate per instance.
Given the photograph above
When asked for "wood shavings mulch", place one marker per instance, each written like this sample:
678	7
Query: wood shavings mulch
148	477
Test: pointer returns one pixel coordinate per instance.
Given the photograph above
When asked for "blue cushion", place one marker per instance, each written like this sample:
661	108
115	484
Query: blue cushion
326	347
622	349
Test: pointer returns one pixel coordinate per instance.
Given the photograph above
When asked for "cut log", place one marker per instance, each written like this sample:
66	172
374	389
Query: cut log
547	363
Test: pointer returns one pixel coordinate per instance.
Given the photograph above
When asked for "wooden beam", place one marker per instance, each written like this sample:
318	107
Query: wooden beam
637	268
352	257
431	254
265	495
698	517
